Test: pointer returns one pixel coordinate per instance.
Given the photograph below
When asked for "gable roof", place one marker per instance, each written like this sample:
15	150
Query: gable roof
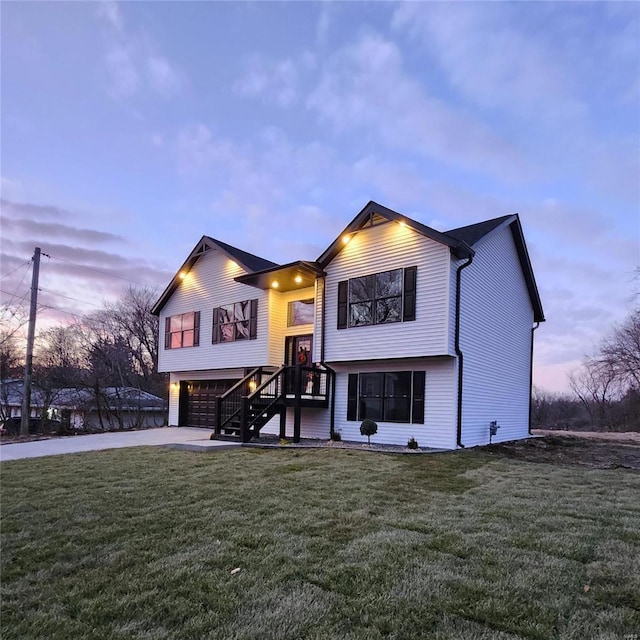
374	213
460	241
473	233
248	261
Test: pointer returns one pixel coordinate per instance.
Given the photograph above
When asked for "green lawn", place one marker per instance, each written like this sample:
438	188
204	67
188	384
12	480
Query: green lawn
142	543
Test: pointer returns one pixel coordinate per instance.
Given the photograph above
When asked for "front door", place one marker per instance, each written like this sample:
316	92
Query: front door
298	351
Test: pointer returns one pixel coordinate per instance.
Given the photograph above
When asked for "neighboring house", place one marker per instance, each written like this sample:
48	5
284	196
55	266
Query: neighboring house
110	408
430	334
11	399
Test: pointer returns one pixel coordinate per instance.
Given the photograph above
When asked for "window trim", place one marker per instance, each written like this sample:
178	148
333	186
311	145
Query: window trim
407	299
253	323
416	397
196	330
290	314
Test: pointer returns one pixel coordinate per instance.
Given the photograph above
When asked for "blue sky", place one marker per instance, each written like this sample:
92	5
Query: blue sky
131	129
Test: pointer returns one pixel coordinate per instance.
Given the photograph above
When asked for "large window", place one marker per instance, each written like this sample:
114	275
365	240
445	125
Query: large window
396	396
300	312
237	321
380	298
376	299
182	330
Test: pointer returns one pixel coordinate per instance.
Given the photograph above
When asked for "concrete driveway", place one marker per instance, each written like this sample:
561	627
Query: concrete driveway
178	437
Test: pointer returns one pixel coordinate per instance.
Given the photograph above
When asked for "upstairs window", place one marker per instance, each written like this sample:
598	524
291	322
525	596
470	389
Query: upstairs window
300	312
182	330
381	298
237	321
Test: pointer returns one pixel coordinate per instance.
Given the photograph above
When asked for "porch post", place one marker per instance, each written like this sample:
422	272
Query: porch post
297	409
218	430
244	432
283	422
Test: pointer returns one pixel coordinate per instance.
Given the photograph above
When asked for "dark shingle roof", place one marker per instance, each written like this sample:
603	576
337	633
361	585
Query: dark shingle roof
474	232
246	260
254	263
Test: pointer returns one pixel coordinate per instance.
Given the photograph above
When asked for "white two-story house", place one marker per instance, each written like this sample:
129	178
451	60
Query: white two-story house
430	334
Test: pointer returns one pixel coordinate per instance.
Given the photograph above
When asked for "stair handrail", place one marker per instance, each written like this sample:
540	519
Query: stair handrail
268	381
247	422
256	371
235	390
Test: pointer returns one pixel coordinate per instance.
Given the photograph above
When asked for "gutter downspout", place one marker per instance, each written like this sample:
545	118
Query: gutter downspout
459	352
332	373
531	378
324	301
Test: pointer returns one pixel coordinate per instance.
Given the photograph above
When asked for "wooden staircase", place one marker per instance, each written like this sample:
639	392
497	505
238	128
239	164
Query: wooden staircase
262	394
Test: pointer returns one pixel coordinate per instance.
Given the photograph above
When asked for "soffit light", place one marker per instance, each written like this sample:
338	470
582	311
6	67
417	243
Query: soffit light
275	284
298	279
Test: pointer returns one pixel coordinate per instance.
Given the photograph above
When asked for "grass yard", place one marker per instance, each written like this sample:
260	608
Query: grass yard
142	543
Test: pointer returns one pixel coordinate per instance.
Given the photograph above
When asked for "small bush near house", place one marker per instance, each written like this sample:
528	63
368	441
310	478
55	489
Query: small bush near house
412	443
336	436
368	428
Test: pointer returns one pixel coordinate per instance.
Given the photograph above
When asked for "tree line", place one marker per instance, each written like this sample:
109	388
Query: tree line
114	347
606	387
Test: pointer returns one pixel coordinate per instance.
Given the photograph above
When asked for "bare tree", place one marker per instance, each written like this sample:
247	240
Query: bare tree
596	386
621	351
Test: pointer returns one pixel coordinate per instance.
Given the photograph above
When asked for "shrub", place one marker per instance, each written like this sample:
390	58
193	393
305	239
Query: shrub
336	436
412	443
368	428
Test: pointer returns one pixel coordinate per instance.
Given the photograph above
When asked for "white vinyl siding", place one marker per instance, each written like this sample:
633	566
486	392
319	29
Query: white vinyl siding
278	329
381	248
314	423
438	430
495	338
209	284
317	325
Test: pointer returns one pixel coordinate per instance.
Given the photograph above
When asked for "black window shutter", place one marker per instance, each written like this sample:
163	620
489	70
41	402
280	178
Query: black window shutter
352	397
167	333
196	329
417	408
409	307
216	333
253	320
343	290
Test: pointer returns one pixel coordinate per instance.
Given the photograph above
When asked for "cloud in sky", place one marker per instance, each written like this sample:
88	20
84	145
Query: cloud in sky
226	121
132	61
364	87
80	267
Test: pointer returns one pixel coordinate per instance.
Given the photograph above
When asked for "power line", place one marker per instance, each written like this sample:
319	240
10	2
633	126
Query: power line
55	293
13	295
6	275
11	303
106	273
69	313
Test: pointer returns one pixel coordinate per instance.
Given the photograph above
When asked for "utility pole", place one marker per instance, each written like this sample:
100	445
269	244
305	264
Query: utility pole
28	365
